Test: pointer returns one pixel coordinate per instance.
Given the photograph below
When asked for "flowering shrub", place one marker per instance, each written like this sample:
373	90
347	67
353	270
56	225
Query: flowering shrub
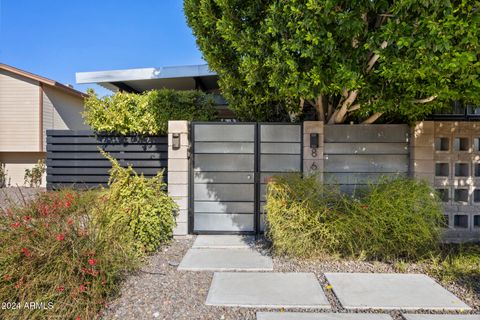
53	253
140	203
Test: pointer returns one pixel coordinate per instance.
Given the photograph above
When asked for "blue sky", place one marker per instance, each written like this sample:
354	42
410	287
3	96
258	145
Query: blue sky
55	38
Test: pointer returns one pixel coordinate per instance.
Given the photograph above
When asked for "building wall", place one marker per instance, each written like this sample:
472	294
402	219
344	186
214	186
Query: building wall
61	111
17	162
20	146
19	113
447	155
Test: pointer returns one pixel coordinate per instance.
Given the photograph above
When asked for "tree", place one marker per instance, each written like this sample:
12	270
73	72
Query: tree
352	60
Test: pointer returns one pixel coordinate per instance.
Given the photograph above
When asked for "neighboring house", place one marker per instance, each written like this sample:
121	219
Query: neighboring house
29	105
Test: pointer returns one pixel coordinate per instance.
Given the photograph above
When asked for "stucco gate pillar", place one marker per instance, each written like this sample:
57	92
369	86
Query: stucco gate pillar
178	171
313	157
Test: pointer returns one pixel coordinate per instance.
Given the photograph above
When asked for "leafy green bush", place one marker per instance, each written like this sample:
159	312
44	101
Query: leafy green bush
398	218
33	177
55	253
142	204
146	113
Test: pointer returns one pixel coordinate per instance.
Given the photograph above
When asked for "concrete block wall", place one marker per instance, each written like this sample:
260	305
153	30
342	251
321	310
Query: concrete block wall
313	158
178	173
447	155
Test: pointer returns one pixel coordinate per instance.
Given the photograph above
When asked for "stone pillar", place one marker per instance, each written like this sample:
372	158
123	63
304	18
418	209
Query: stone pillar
313	158
178	173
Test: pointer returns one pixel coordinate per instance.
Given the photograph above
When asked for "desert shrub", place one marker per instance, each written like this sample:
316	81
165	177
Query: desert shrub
457	263
398	218
142	204
33	177
146	113
53	252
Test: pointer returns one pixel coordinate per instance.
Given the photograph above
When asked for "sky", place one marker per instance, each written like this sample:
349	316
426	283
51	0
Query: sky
55	38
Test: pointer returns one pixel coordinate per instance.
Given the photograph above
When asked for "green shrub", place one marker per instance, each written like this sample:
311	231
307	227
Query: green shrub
33	177
398	218
141	203
53	252
146	113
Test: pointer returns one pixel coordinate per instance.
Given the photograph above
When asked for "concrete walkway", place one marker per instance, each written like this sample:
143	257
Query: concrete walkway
392	291
225	253
266	290
356	291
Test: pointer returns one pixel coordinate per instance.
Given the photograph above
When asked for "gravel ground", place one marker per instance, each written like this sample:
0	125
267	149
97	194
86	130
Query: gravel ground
159	291
17	195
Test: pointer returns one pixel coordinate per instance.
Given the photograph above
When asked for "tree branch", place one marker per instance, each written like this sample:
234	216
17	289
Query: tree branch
340	116
373	118
375	57
320	108
354	107
426	100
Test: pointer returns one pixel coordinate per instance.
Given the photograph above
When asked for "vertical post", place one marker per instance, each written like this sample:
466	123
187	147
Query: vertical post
178	172
313	156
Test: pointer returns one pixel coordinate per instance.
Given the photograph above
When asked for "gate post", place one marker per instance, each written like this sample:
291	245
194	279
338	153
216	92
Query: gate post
313	156
178	172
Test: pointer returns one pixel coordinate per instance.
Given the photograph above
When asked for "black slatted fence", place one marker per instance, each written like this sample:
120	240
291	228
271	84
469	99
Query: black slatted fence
74	159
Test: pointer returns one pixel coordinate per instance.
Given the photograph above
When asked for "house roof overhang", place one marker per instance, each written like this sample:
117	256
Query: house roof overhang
138	80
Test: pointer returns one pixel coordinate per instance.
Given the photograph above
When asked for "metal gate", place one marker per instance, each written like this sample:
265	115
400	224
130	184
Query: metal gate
231	166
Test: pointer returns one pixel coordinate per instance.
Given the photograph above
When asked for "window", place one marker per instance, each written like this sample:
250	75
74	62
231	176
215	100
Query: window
476	221
441	169
476	195
476	144
443	194
460	221
477	169
461	169
442	144
460	195
461	144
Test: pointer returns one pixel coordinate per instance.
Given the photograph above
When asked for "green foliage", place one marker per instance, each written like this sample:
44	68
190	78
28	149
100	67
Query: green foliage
3	175
457	263
141	203
146	113
398	218
270	53
52	250
33	177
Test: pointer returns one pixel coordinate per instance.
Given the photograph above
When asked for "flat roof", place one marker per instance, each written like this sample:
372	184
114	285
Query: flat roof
141	79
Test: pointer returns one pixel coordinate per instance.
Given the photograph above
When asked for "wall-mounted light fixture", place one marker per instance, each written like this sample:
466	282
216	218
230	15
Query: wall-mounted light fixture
175	141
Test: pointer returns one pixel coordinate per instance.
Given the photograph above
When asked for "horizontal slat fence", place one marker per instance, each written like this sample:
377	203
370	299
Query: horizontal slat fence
358	154
74	159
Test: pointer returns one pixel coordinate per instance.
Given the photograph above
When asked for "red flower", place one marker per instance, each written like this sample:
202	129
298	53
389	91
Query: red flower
60	289
68	203
70	222
82	288
27	218
78	318
61	237
92	261
26	252
7	277
15	225
69	196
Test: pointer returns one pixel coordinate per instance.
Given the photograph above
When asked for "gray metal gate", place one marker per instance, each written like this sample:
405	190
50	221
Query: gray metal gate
232	163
